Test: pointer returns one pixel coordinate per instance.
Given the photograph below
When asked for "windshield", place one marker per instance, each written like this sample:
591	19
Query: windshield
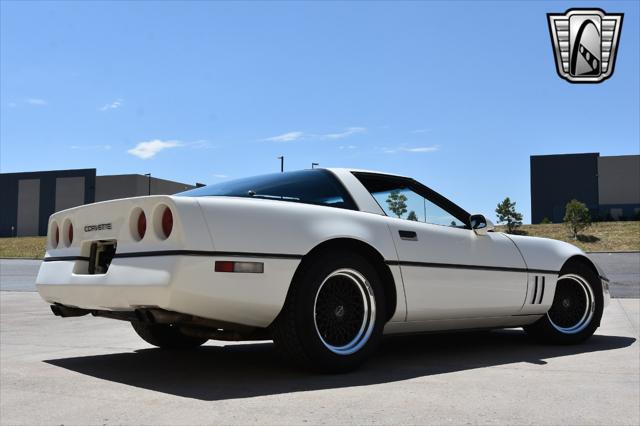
318	187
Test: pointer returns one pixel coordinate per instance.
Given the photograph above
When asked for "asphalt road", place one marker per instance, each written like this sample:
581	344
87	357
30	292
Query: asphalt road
623	269
97	371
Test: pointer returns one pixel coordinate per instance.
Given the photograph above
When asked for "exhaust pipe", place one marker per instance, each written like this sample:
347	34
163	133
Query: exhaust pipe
67	311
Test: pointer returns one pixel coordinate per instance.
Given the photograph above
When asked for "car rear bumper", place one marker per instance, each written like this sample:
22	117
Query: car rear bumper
180	283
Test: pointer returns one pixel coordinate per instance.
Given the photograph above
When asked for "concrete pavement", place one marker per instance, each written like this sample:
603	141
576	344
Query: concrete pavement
623	269
97	371
18	274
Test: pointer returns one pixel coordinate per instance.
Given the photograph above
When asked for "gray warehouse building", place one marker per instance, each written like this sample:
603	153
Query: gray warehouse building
28	199
608	185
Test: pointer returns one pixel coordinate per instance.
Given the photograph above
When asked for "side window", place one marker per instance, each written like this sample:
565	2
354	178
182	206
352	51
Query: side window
404	203
406	199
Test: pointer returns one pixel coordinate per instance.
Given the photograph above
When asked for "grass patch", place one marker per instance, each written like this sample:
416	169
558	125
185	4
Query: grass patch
600	236
27	247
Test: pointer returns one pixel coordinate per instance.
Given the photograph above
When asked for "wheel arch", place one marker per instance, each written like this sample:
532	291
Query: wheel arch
366	250
581	259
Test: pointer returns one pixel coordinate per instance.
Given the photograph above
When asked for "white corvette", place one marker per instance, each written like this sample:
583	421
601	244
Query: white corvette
324	262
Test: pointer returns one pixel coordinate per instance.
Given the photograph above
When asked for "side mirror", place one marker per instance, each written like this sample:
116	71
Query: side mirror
480	224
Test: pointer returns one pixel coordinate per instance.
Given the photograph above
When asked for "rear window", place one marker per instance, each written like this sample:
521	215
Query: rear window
318	187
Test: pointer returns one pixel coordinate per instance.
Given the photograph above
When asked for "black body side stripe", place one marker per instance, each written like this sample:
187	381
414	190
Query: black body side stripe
294	256
473	267
64	258
184	253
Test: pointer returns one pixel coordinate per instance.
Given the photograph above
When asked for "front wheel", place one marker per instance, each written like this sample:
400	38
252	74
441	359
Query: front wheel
334	314
576	309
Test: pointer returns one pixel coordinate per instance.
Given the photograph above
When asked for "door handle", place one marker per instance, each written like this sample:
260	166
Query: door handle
408	235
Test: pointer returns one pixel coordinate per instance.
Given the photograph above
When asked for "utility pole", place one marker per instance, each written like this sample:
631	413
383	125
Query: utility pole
313	165
148	182
281	158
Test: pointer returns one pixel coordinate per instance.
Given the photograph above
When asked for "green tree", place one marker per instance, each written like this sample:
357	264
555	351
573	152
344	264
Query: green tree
545	221
412	216
397	203
506	212
576	217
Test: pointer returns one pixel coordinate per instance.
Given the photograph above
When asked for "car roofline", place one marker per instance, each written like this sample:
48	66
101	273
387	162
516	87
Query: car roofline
373	172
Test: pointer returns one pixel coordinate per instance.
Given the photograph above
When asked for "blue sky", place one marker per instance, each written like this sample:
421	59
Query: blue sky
457	95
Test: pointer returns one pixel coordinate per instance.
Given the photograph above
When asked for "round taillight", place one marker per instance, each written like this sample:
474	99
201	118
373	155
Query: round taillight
167	222
142	225
56	238
70	233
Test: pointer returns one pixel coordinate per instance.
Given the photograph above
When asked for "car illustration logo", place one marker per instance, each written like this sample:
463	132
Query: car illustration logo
585	43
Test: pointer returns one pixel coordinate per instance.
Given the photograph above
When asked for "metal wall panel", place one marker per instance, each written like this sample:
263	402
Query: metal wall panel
557	179
69	192
28	207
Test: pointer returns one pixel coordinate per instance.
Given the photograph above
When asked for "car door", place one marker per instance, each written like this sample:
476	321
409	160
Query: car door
448	270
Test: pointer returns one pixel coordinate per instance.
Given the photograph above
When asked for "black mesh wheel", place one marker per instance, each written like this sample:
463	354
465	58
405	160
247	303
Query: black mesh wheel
344	311
334	314
577	306
573	304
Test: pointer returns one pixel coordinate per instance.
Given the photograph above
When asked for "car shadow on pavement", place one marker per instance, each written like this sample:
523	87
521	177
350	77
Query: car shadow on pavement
254	369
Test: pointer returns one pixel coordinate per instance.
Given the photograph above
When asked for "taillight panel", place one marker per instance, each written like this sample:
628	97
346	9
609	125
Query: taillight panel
167	222
54	234
163	221
142	225
67	233
138	224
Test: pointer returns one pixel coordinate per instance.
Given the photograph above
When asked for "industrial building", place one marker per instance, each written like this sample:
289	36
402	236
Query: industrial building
28	199
608	185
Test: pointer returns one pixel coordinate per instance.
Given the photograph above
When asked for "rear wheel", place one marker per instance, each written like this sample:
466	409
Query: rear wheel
576	309
166	336
334	314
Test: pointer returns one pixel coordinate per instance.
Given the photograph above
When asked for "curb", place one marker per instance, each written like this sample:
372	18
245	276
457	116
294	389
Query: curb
612	252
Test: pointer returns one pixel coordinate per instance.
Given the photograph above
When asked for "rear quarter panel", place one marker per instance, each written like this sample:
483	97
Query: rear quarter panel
280	227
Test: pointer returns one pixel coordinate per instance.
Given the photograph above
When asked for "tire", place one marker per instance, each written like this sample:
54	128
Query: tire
165	336
576	310
334	314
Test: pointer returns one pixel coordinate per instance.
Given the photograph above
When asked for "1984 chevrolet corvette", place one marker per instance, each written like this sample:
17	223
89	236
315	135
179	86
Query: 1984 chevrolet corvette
323	261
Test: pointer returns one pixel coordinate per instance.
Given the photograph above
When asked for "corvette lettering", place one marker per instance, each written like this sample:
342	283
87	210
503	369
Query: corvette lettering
100	227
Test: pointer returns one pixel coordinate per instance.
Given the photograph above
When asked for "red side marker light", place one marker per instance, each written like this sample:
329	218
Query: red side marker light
224	266
242	267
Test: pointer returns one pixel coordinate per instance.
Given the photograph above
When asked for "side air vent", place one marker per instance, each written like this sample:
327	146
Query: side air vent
538	290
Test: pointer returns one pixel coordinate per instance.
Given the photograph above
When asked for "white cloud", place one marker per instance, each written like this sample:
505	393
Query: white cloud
417	149
200	143
421	131
91	147
149	149
36	101
286	137
220	176
113	105
294	136
347	147
346	133
12	104
421	149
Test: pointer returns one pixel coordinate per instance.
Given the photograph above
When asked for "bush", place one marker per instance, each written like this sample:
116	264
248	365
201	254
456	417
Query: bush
546	221
506	212
576	217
